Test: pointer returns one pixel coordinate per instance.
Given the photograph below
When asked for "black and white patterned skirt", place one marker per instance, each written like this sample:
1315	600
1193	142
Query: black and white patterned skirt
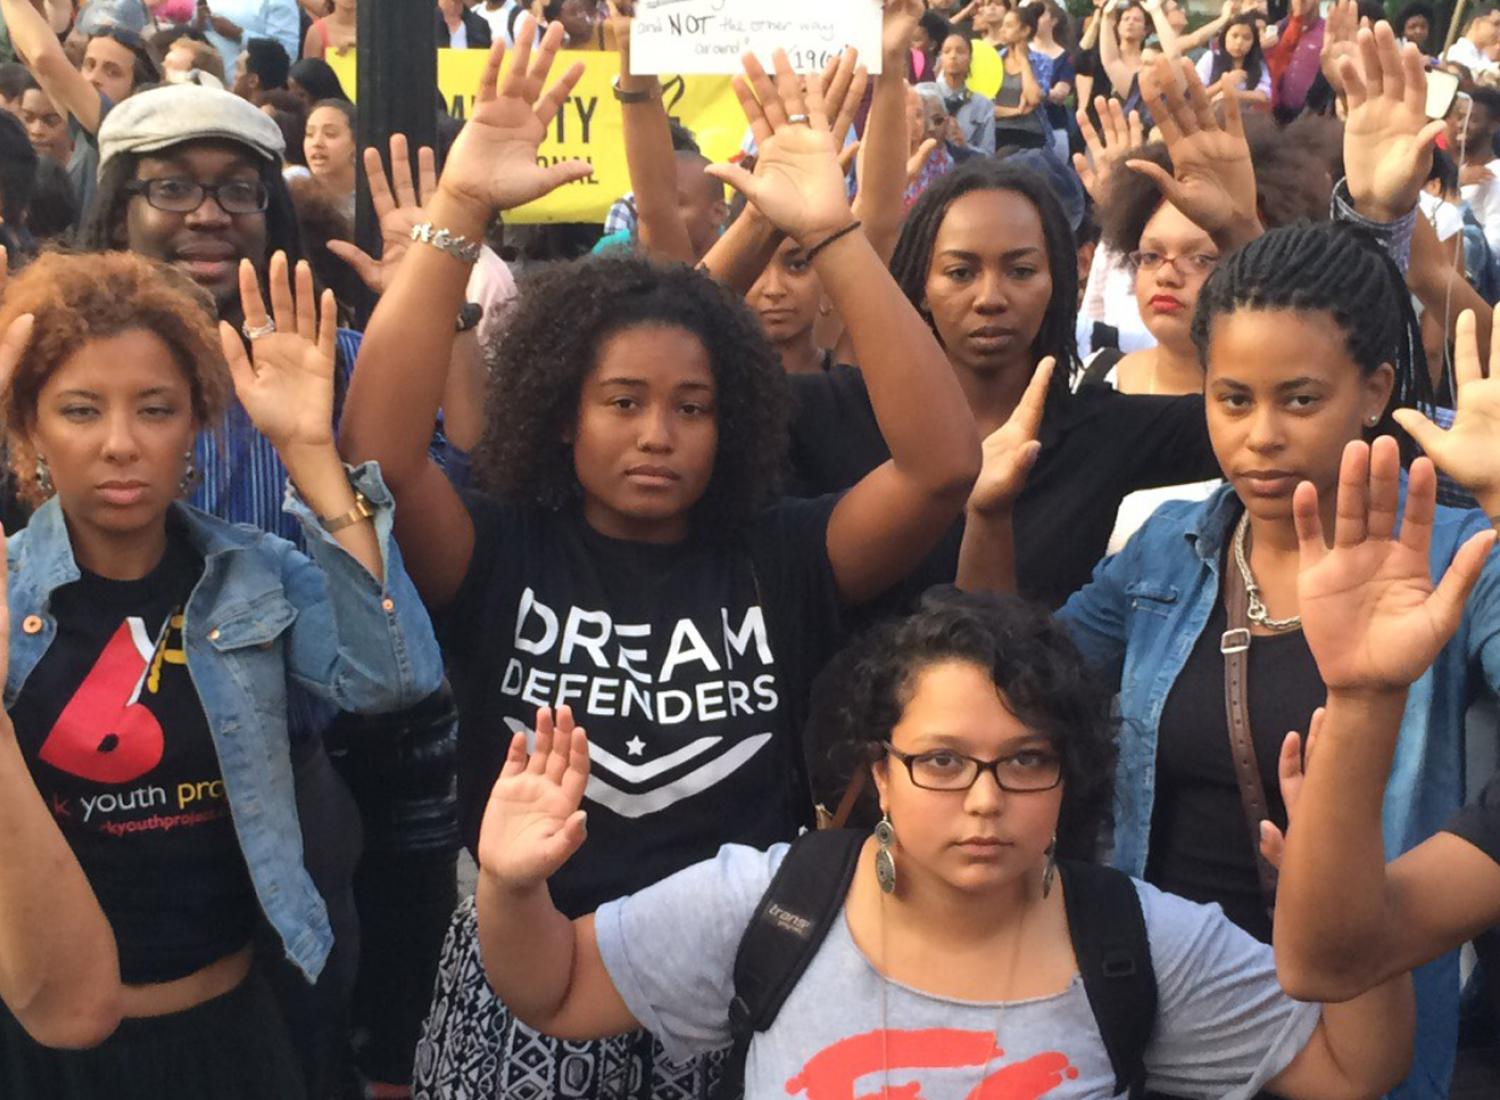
472	1048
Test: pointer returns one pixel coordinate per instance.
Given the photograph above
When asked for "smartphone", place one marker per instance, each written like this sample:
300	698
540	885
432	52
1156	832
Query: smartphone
1442	90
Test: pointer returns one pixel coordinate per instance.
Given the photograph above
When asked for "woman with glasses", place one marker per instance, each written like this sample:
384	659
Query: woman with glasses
951	969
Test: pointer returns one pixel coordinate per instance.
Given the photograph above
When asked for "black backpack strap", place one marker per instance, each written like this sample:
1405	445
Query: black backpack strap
789	925
1102	362
1114	959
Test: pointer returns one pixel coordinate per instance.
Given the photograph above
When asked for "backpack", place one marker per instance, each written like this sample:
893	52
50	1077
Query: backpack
807	894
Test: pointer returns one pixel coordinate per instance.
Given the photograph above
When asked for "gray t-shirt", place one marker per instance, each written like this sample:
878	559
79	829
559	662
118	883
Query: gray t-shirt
1224	1027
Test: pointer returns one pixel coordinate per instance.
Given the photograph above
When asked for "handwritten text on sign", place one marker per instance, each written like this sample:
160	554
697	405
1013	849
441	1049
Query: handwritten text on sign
708	36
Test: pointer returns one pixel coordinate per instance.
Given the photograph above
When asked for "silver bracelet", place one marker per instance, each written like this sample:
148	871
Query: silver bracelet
460	248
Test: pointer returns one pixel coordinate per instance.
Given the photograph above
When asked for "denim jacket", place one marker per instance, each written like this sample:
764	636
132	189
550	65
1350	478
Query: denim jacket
1141	615
261	615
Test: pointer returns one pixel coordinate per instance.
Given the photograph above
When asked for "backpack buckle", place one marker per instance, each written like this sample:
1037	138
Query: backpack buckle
1118	964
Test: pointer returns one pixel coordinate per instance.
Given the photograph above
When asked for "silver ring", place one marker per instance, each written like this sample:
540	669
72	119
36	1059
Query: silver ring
256	333
799	120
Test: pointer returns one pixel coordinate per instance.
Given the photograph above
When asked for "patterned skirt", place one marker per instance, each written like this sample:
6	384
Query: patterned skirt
472	1048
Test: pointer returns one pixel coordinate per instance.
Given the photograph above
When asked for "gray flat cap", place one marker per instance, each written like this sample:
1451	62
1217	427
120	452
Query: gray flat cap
172	114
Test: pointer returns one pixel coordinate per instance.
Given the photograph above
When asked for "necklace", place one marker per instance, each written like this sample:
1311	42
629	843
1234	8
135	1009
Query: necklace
1256	612
885	984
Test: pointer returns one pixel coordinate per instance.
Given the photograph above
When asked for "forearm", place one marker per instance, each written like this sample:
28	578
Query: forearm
1442	289
1164	33
1332	912
881	202
36	43
742	253
464	395
59	967
322	482
653	168
922	412
59	14
395	394
1187	43
987	555
528	949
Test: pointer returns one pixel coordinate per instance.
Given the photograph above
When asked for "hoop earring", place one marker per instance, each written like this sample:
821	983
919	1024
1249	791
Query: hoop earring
885	863
1050	872
43	476
189	475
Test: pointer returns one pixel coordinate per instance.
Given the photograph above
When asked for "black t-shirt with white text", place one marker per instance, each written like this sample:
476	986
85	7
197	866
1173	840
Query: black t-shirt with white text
117	742
689	665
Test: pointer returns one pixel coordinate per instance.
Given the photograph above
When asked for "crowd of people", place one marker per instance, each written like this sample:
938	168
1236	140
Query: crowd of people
797	594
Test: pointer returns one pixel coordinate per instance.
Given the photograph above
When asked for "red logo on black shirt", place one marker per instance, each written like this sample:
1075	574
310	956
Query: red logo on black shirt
834	1072
104	734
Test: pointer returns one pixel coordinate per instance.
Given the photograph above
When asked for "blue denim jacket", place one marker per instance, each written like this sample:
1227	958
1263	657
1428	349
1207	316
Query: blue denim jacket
1143	612
261	615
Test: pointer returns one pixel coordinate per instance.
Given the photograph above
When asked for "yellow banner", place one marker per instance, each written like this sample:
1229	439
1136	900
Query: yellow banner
589	127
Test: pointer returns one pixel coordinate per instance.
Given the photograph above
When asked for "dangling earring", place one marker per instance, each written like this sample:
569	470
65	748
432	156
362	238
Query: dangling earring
43	476
189	473
1050	872
825	308
885	863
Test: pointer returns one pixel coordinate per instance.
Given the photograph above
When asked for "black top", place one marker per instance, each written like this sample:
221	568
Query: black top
1479	821
689	665
1201	845
117	742
1097	446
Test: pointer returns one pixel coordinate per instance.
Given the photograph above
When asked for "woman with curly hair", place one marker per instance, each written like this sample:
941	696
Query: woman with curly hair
148	810
634	559
953	966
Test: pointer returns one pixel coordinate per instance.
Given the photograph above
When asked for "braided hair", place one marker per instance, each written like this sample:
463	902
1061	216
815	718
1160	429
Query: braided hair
912	259
1335	269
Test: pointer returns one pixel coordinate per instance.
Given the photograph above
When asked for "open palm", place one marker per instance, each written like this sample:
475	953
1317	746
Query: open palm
1371	614
1469	451
1212	180
493	163
1388	138
1010	450
400	206
285	380
533	823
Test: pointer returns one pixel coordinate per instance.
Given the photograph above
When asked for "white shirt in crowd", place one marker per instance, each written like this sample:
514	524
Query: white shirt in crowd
1470	57
1484	200
1109	296
500	18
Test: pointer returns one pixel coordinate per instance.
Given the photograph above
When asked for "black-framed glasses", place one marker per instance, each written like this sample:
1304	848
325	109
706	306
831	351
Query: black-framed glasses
1023	772
177	195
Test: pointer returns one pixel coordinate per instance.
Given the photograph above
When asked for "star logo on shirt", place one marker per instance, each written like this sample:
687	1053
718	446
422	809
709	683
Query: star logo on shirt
60	807
635	746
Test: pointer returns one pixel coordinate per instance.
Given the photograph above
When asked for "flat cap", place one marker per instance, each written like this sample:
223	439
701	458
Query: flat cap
172	114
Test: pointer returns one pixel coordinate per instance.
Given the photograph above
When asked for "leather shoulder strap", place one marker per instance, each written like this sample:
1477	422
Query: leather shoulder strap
1235	646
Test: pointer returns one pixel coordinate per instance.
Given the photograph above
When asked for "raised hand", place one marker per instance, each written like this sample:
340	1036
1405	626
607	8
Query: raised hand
1370	613
1212	180
1117	136
533	823
1340	27
1291	769
797	184
493	163
1388	139
285	381
1468	452
898	25
1010	450
400	205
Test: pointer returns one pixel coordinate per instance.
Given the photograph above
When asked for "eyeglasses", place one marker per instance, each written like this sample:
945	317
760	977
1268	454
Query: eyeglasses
183	196
1199	263
1024	772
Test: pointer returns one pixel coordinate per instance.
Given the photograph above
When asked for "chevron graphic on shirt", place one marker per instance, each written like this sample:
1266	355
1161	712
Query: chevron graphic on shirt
694	782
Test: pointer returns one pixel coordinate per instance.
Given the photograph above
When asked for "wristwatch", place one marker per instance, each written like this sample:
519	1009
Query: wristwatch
361	511
630	97
469	317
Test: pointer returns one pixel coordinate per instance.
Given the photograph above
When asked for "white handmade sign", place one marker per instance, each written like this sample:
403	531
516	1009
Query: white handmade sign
708	36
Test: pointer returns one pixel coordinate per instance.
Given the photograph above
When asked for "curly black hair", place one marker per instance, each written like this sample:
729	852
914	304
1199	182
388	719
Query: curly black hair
1032	661
1292	182
564	315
